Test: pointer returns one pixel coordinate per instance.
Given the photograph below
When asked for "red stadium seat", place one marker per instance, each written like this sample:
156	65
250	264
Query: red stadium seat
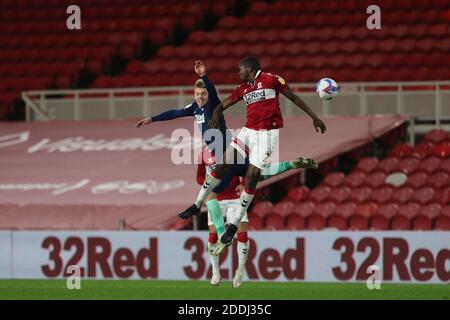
367	210
417	180
358	222
438	180
325	209
382	195
423	150
431	210
298	194
442	223
435	136
274	222
295	222
340	194
445	165
316	222
367	164
304	209
346	209
338	222
400	222
408	165
402	194
283	208
319	194
423	195
355	179
409	210
442	196
375	179
446	211
430	165
422	223
442	150
388	165
262	209
402	150
334	179
379	222
360	195
257	222
388	210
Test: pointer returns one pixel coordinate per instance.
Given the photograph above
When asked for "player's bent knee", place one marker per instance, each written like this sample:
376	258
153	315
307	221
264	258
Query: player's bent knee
253	172
211	196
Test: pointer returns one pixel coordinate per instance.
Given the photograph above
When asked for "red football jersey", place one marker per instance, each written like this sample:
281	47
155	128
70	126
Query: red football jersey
262	100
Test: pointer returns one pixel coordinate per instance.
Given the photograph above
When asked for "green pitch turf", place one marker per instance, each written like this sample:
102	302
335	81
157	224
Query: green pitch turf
197	290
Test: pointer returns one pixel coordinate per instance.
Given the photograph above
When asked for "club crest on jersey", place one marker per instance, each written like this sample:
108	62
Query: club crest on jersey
281	80
200	118
259	85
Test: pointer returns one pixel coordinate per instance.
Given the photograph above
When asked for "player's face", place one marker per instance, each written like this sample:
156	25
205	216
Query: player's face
201	96
244	73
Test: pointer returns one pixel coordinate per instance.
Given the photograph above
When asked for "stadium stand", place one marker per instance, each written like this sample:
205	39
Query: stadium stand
301	37
39	52
358	201
292	39
131	43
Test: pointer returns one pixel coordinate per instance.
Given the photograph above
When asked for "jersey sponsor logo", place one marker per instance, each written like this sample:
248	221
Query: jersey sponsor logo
259	95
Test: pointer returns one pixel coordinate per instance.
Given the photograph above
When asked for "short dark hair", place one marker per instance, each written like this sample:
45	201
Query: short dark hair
251	62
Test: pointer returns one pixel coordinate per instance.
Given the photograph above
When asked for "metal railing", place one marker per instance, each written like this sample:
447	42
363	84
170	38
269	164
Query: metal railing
426	100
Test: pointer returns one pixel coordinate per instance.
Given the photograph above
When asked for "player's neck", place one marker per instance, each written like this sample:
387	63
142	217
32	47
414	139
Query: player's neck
252	76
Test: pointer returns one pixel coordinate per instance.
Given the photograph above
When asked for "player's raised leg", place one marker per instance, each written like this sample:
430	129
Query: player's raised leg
280	167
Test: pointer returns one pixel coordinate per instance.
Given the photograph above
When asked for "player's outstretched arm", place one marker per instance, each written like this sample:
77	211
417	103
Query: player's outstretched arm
167	115
317	122
214	122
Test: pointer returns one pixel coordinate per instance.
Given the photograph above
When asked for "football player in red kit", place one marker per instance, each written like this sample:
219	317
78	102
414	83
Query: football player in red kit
257	139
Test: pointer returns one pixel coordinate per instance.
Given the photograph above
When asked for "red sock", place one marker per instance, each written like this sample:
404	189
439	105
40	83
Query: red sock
212	238
250	191
243	237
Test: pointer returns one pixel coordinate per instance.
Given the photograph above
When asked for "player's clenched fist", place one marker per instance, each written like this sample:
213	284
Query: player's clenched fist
143	121
199	68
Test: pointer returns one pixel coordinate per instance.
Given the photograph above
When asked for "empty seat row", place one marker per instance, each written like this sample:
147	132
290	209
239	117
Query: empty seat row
315	221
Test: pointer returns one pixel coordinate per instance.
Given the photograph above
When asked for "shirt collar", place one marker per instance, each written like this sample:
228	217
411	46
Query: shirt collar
256	76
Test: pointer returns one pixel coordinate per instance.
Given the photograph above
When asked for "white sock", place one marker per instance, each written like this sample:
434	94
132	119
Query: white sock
242	249
209	184
245	201
213	259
